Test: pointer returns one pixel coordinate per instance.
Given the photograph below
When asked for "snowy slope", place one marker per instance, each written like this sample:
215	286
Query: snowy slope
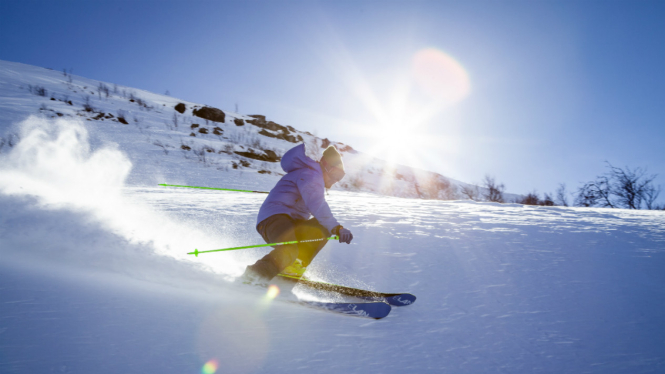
94	275
178	147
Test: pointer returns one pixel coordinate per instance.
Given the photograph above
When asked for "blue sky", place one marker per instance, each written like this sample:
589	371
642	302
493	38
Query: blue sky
556	87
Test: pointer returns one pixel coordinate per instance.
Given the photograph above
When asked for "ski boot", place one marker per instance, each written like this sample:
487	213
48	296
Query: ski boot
295	270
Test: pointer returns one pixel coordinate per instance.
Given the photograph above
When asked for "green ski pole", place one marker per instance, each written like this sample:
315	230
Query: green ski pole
196	251
211	188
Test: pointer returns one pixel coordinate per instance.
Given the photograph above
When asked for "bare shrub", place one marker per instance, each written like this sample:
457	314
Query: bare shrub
561	195
162	146
87	106
38	90
494	190
228	148
530	199
103	89
547	200
175	120
471	192
619	188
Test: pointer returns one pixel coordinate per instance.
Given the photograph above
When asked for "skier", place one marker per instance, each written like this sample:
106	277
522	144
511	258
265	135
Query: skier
286	215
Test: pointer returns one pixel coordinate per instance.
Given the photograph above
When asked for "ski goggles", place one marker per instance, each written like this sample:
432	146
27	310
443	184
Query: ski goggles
335	173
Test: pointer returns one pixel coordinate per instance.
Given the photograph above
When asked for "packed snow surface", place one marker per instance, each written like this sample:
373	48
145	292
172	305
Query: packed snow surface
95	276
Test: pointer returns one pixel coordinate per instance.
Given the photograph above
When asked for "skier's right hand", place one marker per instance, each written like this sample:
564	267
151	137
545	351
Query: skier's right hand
345	236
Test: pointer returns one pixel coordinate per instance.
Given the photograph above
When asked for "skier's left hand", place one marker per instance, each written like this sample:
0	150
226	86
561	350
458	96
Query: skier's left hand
345	236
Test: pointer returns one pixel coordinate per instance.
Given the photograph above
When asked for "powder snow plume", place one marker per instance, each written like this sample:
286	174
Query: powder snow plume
54	164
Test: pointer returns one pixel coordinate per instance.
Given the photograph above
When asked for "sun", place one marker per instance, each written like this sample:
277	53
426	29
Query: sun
402	132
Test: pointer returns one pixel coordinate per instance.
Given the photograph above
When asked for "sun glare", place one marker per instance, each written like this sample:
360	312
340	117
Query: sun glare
403	129
404	113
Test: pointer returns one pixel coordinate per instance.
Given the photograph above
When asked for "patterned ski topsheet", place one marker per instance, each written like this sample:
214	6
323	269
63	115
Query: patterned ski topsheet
395	299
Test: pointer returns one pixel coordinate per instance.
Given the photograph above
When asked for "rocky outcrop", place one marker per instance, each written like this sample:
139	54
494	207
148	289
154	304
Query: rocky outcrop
209	113
269	156
180	108
281	135
276	130
347	148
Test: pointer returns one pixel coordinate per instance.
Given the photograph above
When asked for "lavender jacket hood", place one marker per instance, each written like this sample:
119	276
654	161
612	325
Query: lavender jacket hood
301	192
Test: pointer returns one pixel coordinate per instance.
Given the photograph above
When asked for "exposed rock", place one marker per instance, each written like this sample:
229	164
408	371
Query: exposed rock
270	125
217	131
180	107
264	172
347	148
203	130
245	163
272	156
186	147
209	113
239	122
192	134
269	156
259	117
194	125
281	135
325	143
123	120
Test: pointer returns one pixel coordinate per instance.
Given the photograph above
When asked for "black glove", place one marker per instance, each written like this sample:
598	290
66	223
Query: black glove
345	235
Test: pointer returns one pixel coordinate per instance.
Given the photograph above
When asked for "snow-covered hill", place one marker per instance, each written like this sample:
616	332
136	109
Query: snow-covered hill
168	141
94	275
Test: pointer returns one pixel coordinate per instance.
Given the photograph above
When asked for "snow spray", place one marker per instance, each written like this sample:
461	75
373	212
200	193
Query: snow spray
55	165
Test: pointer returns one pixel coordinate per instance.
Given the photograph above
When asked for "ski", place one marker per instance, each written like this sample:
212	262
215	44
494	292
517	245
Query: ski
373	309
370	309
395	299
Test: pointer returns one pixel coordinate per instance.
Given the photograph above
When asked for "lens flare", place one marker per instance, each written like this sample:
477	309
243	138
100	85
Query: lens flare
441	76
236	336
210	367
272	293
